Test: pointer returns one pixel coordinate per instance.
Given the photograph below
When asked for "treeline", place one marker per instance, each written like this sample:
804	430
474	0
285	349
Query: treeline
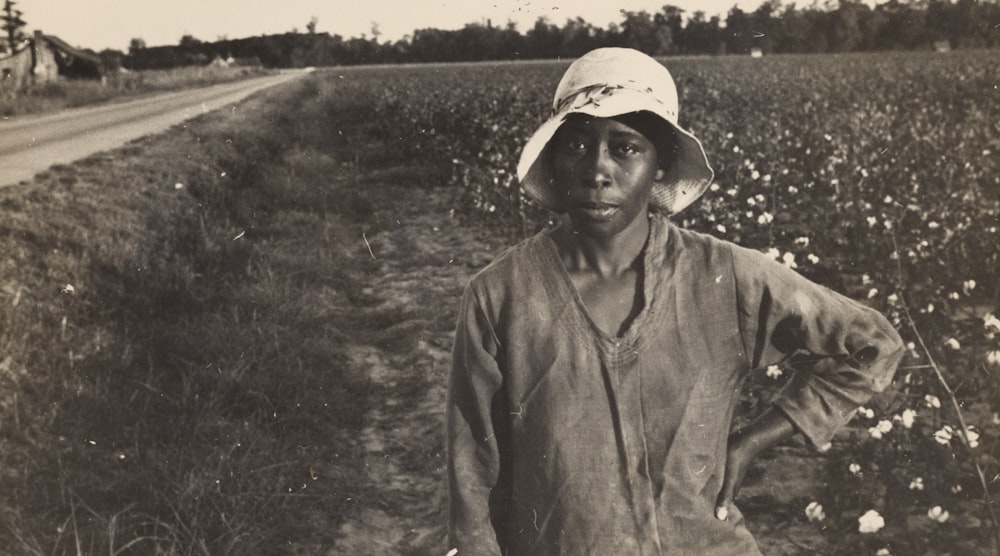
846	26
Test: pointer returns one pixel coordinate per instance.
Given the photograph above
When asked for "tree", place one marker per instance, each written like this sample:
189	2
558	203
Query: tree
12	26
739	31
672	19
640	31
311	26
135	45
189	40
703	36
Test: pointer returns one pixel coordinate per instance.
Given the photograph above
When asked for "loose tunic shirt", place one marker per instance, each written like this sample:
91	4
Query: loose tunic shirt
564	439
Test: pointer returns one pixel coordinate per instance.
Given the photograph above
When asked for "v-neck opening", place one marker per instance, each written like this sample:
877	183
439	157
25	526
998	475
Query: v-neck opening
565	283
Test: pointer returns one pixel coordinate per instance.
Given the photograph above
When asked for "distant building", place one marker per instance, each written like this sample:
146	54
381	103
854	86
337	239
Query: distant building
756	53
47	58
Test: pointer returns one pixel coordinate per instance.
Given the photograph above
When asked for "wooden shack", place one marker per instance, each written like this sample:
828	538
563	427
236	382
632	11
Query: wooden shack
46	58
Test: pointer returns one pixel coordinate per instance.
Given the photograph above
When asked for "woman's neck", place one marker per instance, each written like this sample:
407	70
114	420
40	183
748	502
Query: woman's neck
605	256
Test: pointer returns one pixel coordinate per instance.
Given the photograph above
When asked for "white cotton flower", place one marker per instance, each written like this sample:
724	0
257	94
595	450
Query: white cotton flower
884	426
956	489
993	357
909	416
755	175
893	298
765	218
803	241
887	200
865	279
773	253
872	293
814	512
871	221
875	433
944	435
751	201
792	189
917	484
954	296
932	401
854	468
714	187
952	343
812	258
789	260
968	286
883	552
773	371
866	412
721	229
933	225
870	522
972	436
991	322
938	514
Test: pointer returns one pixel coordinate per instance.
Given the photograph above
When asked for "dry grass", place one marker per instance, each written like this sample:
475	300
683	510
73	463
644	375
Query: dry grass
170	371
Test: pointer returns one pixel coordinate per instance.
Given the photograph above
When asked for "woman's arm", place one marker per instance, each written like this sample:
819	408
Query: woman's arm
842	353
474	450
770	428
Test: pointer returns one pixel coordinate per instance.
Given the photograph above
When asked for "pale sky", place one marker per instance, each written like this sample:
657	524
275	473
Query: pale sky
99	24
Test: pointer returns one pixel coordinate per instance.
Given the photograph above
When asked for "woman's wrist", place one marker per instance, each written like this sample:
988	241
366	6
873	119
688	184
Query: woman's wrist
768	429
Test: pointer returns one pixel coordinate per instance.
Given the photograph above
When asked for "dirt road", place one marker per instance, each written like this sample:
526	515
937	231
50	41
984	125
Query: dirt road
31	144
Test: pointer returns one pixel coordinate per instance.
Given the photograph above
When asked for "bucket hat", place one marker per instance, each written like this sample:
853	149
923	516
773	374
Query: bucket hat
609	82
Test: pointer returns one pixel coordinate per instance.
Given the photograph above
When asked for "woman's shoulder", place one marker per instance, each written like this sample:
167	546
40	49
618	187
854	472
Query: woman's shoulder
682	244
511	264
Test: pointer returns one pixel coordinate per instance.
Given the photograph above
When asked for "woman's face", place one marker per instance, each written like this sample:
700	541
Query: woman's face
604	172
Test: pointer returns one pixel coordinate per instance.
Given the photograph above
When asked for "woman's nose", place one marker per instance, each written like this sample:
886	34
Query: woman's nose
599	170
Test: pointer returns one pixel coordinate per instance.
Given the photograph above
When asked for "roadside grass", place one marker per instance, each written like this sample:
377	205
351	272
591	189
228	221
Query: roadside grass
71	93
171	375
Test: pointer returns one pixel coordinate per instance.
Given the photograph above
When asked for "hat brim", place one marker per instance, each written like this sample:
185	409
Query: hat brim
683	182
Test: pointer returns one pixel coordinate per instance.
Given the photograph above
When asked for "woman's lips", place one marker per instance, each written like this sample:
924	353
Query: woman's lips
598	211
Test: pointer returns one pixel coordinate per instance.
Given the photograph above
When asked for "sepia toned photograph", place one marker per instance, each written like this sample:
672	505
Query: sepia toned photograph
509	278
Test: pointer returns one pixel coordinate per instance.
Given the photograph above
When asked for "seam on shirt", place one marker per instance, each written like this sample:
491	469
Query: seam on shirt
489	324
739	308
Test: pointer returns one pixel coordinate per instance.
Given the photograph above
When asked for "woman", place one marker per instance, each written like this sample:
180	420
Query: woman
597	365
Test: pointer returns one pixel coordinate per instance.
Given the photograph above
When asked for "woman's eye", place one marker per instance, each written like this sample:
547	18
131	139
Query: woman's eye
628	148
575	145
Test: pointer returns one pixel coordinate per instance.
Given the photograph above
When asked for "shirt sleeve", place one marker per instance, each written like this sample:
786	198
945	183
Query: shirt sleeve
841	351
475	397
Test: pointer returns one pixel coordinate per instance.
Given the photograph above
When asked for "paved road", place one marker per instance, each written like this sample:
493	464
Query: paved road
31	144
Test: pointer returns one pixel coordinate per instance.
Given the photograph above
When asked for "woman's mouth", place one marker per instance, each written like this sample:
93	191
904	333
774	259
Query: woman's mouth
598	211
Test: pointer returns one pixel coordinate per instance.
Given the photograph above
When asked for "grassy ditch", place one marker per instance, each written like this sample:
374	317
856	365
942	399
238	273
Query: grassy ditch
171	322
70	93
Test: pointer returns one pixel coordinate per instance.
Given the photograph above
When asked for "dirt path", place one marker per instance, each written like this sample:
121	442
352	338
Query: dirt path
417	264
